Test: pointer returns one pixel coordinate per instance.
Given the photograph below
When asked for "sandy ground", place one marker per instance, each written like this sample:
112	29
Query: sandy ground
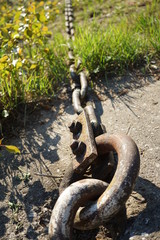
26	199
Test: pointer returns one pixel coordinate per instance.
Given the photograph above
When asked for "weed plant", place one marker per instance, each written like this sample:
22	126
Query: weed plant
33	54
31	65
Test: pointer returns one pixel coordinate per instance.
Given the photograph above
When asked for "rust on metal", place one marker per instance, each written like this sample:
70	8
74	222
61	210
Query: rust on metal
120	188
61	222
83	146
97	127
90	151
101	167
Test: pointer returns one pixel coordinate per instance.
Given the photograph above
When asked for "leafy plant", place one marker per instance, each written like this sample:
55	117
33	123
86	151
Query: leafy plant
14	206
25	175
33	53
27	57
15	209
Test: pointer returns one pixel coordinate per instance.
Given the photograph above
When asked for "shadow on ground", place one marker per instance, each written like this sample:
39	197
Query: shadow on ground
111	87
27	196
147	221
26	199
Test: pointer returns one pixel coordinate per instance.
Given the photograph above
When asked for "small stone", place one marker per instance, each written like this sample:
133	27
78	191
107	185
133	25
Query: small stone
154	67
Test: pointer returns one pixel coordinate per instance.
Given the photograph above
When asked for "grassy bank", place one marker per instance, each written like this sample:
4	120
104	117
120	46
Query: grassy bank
111	36
130	43
122	41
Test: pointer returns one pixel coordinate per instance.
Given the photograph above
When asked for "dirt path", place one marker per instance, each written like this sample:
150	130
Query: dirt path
26	199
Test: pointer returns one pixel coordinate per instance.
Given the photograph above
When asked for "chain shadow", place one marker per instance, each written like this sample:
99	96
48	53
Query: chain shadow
116	89
39	152
147	221
111	87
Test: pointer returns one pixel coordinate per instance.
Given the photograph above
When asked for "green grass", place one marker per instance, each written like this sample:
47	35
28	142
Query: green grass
129	43
111	36
117	47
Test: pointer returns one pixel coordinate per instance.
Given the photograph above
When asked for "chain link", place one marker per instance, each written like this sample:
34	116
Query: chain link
83	106
79	81
93	157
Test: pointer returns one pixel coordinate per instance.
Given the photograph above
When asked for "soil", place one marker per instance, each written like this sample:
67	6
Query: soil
130	105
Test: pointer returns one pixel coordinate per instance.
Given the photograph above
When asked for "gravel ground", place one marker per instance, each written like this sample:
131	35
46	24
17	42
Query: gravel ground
26	198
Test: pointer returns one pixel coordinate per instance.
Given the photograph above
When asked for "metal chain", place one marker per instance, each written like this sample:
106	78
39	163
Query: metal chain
109	203
94	151
86	127
79	81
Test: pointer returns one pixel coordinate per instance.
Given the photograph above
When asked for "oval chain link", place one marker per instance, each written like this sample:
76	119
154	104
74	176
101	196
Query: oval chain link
79	81
115	194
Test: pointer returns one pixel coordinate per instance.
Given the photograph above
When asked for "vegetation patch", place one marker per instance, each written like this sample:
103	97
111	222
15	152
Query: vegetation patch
129	42
31	64
111	36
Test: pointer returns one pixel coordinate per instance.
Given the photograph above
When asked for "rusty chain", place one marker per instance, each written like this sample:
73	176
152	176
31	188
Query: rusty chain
93	172
79	81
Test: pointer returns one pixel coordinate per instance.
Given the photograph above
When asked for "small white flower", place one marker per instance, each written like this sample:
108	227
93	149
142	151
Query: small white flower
14	62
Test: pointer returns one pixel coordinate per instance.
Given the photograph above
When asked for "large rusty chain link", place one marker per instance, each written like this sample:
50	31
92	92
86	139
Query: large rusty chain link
93	175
